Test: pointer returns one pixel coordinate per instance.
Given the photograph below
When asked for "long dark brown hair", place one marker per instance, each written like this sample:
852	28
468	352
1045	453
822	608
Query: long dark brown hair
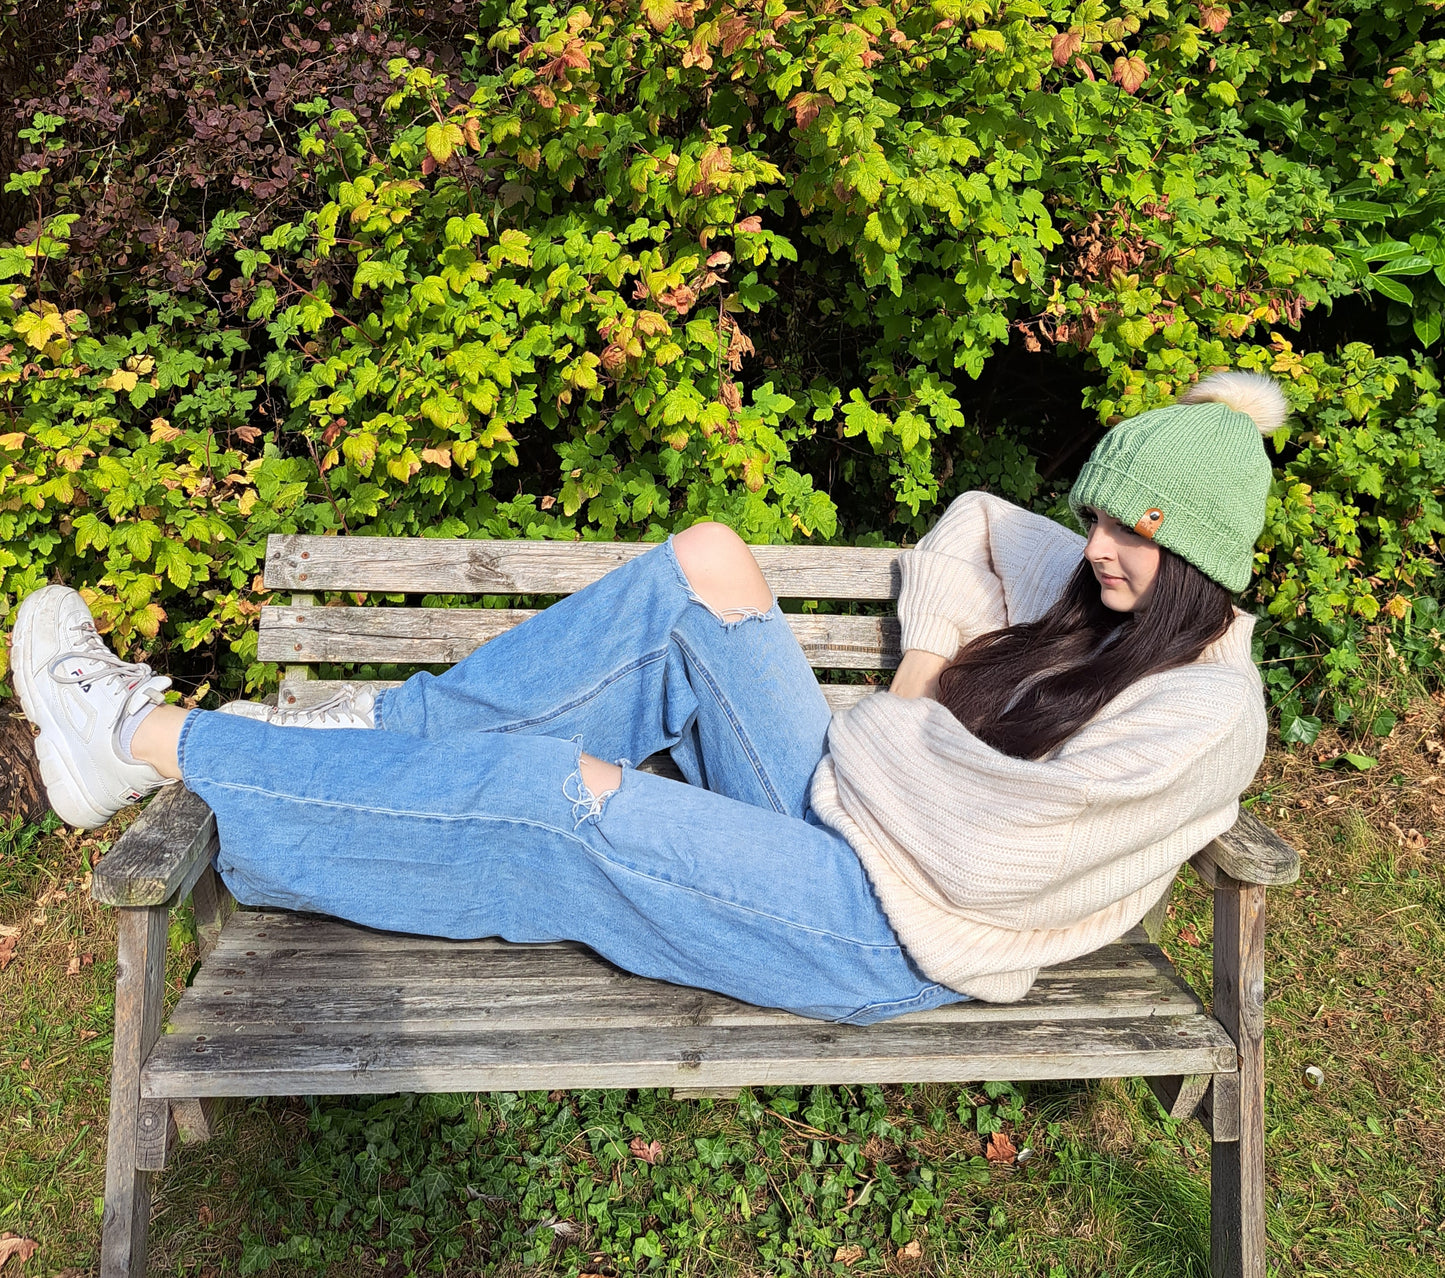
1066	666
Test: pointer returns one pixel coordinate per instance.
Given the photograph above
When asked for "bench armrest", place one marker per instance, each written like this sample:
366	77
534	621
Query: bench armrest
161	855
1249	852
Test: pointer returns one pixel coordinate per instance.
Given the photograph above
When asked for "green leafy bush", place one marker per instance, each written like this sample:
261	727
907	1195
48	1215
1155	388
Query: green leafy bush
613	270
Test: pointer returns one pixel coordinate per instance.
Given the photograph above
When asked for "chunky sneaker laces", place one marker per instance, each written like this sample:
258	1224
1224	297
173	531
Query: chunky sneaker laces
349	706
84	667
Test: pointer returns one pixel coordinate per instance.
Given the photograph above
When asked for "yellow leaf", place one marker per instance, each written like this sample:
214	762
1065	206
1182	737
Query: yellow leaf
148	620
442	140
13	441
120	380
248	499
38	330
162	432
660	13
438	457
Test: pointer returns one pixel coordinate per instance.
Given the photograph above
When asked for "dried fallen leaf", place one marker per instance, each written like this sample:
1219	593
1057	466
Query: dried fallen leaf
648	1151
204	1215
7	950
1188	935
86	1034
9	929
849	1255
14	1245
1414	839
73	967
910	1252
1397	832
1000	1149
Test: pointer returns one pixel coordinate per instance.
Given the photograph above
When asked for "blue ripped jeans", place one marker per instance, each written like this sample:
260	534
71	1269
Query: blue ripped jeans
465	815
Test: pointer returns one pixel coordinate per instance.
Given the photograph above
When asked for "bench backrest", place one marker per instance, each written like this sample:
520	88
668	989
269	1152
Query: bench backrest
300	633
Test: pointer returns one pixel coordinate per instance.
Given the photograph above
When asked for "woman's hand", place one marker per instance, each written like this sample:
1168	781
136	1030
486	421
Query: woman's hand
917	674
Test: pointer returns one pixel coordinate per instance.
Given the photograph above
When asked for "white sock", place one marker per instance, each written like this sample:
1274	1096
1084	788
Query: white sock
128	726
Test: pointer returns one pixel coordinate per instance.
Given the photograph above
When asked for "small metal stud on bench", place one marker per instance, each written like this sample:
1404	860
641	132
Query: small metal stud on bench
287	1004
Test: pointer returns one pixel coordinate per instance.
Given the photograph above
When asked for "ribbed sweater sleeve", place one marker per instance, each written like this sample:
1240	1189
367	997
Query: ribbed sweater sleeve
985	565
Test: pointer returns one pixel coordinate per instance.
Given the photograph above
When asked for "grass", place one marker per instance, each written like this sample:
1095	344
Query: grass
859	1180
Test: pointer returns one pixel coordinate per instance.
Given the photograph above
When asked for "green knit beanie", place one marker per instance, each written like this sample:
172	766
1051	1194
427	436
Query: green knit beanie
1193	476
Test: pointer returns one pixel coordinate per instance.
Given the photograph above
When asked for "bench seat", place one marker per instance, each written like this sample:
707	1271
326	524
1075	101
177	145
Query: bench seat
291	1003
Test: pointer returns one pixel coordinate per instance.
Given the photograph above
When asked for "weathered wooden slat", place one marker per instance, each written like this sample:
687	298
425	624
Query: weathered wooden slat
1250	852
694	1056
417	636
450	1005
310	692
164	849
316	977
309	942
425	565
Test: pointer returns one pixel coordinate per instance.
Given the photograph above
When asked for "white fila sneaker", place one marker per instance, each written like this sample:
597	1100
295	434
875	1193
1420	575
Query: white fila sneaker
348	707
78	693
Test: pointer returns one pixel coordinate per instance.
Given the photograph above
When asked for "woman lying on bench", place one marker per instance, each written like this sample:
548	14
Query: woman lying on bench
1071	721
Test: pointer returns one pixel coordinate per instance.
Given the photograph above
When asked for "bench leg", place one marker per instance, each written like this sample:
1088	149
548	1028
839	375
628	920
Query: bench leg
1237	1235
139	997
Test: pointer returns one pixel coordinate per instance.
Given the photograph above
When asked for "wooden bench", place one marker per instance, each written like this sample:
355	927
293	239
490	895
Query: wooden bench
287	1004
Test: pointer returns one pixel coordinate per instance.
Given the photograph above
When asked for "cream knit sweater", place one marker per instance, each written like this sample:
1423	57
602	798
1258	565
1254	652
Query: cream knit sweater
991	867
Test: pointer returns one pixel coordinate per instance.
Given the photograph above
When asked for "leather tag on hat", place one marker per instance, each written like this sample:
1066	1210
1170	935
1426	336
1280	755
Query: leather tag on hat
1149	523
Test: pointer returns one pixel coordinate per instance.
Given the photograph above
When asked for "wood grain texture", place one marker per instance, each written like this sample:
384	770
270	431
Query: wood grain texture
1179	1095
139	998
286	998
1237	1235
154	1134
310	692
196	1118
213	904
426	565
163	851
808	1052
1250	852
1219	1110
421	636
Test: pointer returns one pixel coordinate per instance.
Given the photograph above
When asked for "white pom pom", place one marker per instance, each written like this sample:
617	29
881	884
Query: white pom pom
1256	394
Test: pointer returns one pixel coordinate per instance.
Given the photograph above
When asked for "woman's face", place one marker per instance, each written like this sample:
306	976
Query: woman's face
1126	564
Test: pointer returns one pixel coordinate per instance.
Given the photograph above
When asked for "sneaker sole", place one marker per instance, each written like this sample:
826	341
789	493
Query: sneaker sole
64	787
